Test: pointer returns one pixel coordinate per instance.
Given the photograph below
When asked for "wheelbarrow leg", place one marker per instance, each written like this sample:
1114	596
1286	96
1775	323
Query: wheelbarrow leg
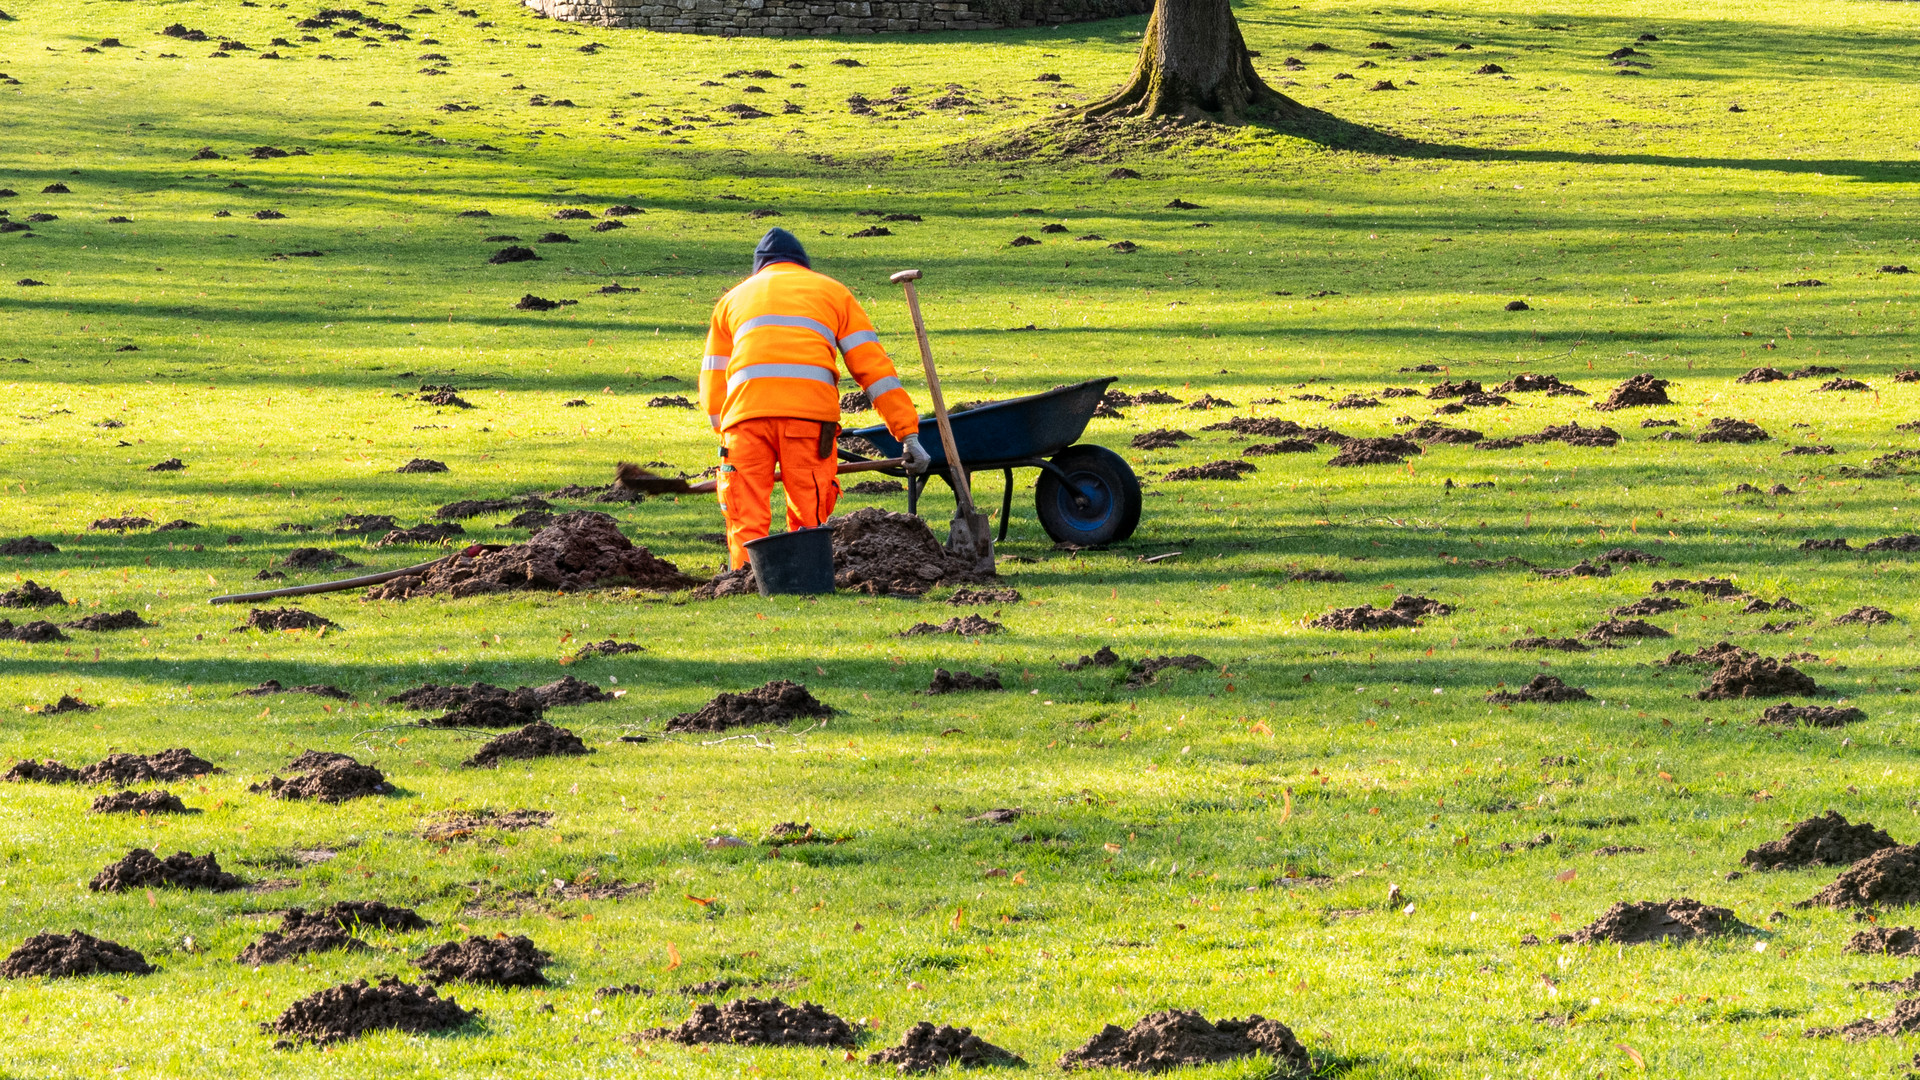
1006	504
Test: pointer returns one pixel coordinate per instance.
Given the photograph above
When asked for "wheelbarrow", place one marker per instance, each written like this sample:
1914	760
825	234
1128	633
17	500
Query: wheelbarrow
1086	495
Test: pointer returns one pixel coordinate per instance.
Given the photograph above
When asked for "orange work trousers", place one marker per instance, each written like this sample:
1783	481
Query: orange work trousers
749	450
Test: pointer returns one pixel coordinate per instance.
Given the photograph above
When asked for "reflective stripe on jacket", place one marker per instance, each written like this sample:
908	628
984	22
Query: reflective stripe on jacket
771	352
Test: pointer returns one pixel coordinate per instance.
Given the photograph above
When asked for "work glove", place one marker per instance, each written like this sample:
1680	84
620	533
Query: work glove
917	457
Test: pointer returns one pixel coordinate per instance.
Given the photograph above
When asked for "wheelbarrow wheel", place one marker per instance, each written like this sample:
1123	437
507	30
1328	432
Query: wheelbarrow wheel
1102	506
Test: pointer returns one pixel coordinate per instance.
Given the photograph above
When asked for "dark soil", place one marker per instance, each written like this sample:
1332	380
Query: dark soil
64	955
1715	655
1364	617
1174	1038
67	704
777	702
513	254
458	824
1827	840
1838	543
1583	568
351	914
120	524
964	625
1844	384
513	961
1758	676
753	1022
1528	383
984	597
427	533
364	524
1885	941
1159	439
1904	1020
125	770
1889	877
946	682
1147	671
1574	435
581	549
1640	922
568	690
1284	446
926	1048
509	710
1721	429
1351	455
1565	644
313	558
272	687
1265	426
1718	588
38	631
27	545
533	741
1351	401
299	934
1614	629
608	647
1625	556
1906	542
276	619
422	465
139	802
1329	577
330	778
1447	388
1546	688
877	487
346	1011
1867	615
1824	716
1763	375
1652	605
1212	470
119	620
1434	433
1104	656
143	869
31	594
1642	389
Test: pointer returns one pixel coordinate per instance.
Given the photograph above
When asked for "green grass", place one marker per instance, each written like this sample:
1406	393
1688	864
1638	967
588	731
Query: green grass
1649	228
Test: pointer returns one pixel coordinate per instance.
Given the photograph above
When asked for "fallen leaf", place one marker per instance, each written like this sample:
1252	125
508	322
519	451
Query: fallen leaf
673	956
1566	876
1633	1054
701	902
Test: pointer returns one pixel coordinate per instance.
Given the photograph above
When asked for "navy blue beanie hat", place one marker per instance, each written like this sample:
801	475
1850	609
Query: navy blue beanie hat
779	246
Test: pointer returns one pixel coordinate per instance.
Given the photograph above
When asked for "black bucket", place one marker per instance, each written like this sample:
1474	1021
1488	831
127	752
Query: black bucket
798	562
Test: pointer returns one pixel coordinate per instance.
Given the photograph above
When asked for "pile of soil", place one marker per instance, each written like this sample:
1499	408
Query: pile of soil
984	597
1811	715
1351	401
509	709
1418	606
1763	375
27	545
138	802
1104	656
1615	629
343	1012
275	619
1718	588
1757	606
348	914
964	625
1564	644
1907	542
1574	435
299	934
1904	1020
1827	840
1651	605
1642	389
313	558
1756	676
581	549
1546	688
125	770
472	508
778	702
1583	568
1865	616
120	524
512	961
1844	384
1528	383
1835	544
567	690
1159	439
882	553
1885	941
1639	922
456	825
38	631
67	704
926	1048
1447	388
1148	671
326	777
753	1022
1433	433
272	687
427	533
946	682
422	465
64	955
1722	429
1173	1038
119	620
364	524
32	594
533	741
1266	426
143	869
609	647
1212	470
877	487
1889	877
1364	617
1708	654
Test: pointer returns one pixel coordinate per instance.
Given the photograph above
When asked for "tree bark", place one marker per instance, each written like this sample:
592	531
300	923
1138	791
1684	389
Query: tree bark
1194	65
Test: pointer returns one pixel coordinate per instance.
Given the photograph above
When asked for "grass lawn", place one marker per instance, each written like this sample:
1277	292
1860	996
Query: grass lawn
1310	828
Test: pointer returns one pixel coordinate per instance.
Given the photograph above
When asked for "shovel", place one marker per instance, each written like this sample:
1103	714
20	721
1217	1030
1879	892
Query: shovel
634	478
970	537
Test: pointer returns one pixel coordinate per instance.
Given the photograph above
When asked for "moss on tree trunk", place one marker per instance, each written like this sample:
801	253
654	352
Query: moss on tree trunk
1194	65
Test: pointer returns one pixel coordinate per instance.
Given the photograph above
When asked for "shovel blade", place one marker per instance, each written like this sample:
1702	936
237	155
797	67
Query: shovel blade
971	538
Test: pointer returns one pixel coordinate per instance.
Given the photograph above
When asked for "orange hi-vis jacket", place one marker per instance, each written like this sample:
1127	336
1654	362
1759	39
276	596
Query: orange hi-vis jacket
770	352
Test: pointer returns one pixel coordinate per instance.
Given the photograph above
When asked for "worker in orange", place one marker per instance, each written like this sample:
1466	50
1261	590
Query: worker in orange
770	387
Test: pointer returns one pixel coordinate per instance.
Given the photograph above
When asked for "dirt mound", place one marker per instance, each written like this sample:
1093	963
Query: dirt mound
609	647
1651	605
926	1048
1811	715
457	824
1756	676
1835	544
1722	429
348	914
1867	615
1718	588
778	702
1763	375
1904	1020
1885	941
1889	877
1173	1038
533	741
1842	384
510	709
1639	922
1447	388
427	533
753	1022
1351	401
1709	654
38	631
964	625
513	961
125	770
334	778
1104	656
272	687
1433	433
1212	470
1547	688
1574	435
143	869
1148	671
580	550
138	802
1159	439
568	690
364	524
984	597
953	682
41	772
120	524
422	465
32	594
1907	542
1528	383
1827	840
882	553
119	620
275	619
1284	446
64	955
343	1012
1583	568
299	934
877	487
1266	426
1614	629
1564	644
434	696
1642	389
1364	617
27	545
313	558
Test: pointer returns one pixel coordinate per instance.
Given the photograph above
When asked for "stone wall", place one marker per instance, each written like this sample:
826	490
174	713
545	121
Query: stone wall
813	18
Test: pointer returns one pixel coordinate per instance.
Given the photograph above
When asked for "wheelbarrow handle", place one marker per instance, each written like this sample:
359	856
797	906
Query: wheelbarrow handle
706	486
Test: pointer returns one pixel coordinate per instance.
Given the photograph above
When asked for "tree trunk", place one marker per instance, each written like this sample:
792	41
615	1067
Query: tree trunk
1195	66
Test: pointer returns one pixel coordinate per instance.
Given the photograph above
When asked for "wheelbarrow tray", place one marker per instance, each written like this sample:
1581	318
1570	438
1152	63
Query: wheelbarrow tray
1034	426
